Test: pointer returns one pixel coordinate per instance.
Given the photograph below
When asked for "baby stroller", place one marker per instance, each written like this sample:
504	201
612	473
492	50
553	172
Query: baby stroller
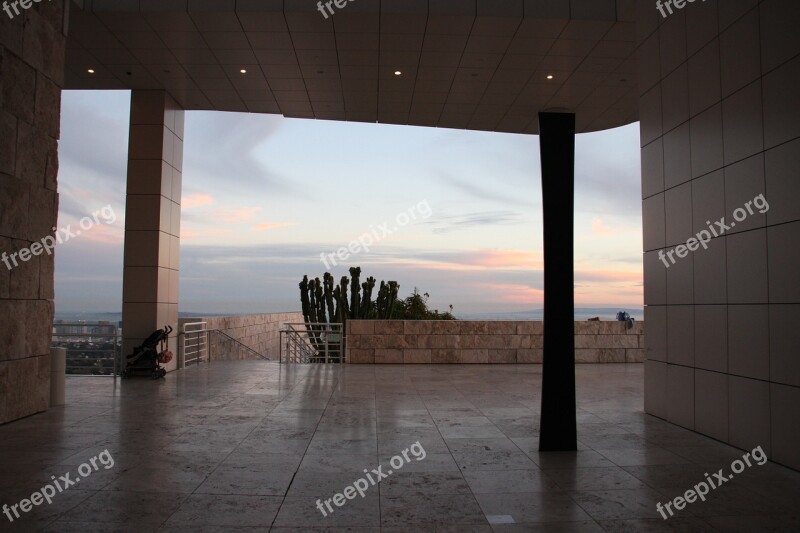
145	359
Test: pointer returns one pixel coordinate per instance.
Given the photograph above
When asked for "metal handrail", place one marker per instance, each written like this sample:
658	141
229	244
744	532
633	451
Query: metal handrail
197	343
313	342
113	338
240	344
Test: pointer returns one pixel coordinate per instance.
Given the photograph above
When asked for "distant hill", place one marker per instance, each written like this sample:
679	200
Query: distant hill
581	313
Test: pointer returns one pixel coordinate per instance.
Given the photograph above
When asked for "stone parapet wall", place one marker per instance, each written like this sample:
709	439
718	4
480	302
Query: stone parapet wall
259	332
468	341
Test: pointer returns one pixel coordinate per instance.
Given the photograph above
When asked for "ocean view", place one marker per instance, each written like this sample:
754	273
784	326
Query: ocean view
581	313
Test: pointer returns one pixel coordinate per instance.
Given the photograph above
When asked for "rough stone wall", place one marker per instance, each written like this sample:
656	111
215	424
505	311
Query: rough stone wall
259	332
452	342
32	47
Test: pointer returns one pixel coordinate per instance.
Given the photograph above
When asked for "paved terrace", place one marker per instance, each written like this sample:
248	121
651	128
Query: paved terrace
246	446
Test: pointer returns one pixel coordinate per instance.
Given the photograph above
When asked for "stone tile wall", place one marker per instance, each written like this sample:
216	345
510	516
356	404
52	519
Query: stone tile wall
259	332
32	49
444	342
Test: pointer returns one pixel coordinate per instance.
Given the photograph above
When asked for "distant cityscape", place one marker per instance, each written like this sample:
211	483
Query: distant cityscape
92	346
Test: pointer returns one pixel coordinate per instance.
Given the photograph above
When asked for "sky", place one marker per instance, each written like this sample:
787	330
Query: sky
267	200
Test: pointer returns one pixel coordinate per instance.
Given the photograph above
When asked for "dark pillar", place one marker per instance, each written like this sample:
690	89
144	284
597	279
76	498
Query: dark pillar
557	146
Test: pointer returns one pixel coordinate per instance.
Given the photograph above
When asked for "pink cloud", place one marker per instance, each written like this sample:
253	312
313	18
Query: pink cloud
192	201
236	215
264	226
487	260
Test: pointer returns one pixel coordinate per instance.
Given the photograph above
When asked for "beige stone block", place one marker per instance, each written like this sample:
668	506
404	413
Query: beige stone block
502	356
635	356
374	341
501	327
615	327
14	208
462	341
48	106
18	97
474	327
356	341
388	356
39	329
475	356
361	356
583	327
422	327
361	327
43	212
46	278
416	356
530	327
446	327
531	341
8	144
638	329
392	327
412	341
26	386
24	278
492	341
433	341
600	355
398	342
530	356
13	333
445	356
34	149
4	387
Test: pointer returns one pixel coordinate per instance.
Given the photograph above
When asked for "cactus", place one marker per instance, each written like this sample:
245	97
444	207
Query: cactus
366	300
355	299
324	302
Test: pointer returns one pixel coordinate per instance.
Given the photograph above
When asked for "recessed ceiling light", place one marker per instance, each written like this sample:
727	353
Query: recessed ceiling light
90	71
549	76
397	73
243	71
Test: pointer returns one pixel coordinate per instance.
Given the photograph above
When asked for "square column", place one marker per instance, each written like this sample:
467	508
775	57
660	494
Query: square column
558	429
152	219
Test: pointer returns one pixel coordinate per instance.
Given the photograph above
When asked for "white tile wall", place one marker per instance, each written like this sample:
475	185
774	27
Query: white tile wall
723	341
749	413
711	344
711	399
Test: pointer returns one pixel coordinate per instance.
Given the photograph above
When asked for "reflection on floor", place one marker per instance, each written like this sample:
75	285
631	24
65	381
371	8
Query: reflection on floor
250	446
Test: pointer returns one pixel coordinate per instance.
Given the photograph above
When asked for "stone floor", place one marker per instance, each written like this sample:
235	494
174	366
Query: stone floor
251	446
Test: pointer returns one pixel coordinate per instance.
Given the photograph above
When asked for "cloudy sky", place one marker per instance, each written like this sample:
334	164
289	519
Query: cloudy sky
455	213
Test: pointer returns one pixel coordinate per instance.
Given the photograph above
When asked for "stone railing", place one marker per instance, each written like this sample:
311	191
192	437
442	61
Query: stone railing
258	332
448	342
